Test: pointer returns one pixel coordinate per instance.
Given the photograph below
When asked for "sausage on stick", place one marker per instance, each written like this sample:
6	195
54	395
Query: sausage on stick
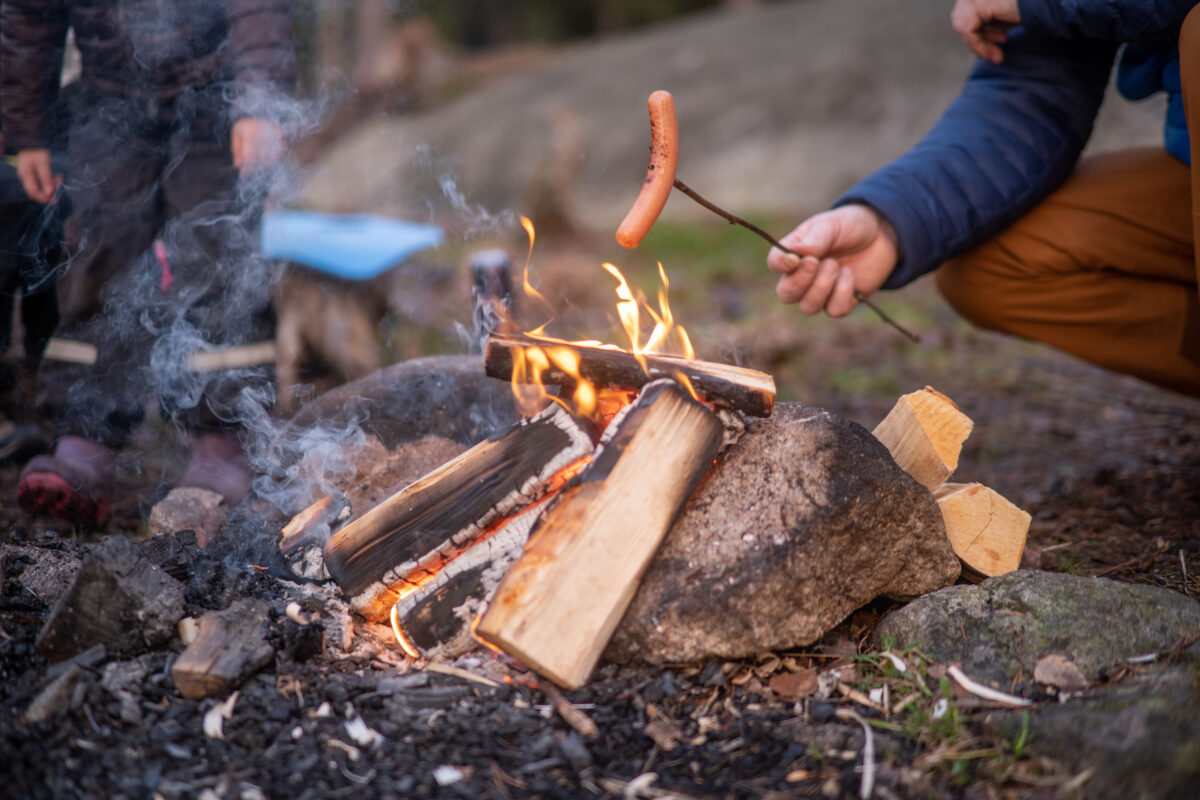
660	178
660	174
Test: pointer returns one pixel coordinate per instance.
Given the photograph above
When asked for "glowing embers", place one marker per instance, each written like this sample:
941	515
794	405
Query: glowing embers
397	545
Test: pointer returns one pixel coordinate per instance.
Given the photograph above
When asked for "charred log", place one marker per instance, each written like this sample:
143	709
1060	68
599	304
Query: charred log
748	391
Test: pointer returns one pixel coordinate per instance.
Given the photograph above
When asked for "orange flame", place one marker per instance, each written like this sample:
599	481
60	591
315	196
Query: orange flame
531	365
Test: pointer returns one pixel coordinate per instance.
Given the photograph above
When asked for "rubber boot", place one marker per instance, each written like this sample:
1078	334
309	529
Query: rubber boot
74	484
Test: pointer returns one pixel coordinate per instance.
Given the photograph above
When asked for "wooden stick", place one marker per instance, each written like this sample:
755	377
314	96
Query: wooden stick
986	531
374	558
925	432
736	220
559	604
746	390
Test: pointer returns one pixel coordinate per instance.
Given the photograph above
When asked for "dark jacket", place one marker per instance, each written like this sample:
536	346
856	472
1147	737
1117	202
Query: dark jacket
1015	132
141	49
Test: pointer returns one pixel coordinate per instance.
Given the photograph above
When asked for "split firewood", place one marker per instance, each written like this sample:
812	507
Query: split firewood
388	551
561	601
986	531
229	647
434	620
746	390
925	432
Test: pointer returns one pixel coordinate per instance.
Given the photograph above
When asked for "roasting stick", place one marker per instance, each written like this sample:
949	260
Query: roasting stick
660	178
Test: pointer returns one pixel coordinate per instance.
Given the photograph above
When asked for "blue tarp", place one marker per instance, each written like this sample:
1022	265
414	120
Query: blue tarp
353	246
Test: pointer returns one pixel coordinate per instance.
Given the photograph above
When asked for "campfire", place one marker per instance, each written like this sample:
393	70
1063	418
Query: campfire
535	541
557	518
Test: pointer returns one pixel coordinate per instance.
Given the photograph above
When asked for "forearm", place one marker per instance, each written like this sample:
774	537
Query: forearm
1009	140
1105	20
32	38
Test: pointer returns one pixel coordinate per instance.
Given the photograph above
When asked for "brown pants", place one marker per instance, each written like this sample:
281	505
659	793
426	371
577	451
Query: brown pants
1106	267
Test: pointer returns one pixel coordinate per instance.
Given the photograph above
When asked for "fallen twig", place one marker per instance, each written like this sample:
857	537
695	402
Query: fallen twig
868	777
445	669
642	786
986	692
577	719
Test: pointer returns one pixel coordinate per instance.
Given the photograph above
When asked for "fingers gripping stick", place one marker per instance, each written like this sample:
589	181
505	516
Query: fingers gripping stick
660	174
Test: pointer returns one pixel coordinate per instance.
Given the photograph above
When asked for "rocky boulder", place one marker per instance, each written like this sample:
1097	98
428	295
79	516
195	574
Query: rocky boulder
801	522
1002	627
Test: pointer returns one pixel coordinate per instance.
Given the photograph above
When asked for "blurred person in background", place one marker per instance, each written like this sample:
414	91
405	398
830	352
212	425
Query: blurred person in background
1096	256
30	250
178	123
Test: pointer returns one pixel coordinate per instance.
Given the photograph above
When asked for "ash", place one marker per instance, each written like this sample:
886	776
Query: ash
345	713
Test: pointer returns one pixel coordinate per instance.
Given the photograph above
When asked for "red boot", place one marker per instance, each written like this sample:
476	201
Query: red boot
73	485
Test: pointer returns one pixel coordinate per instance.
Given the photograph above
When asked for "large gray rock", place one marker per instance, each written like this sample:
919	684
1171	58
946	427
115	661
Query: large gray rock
330	441
1004	625
804	520
448	396
1140	739
781	106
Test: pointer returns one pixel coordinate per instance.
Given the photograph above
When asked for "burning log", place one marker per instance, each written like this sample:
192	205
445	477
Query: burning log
434	621
559	604
925	432
391	549
986	531
746	390
229	647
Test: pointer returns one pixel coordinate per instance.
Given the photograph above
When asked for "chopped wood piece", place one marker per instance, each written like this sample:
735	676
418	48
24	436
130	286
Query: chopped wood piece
558	605
118	599
746	390
230	646
428	523
986	531
925	432
434	620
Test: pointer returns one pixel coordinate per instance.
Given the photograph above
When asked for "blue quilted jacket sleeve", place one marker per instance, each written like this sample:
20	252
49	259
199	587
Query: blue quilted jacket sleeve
1106	20
1009	139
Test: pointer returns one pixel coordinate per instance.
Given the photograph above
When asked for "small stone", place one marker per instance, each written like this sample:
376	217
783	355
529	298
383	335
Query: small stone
188	508
820	712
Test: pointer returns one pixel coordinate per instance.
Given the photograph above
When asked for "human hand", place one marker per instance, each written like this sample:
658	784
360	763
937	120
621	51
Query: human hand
256	143
36	175
984	25
851	248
